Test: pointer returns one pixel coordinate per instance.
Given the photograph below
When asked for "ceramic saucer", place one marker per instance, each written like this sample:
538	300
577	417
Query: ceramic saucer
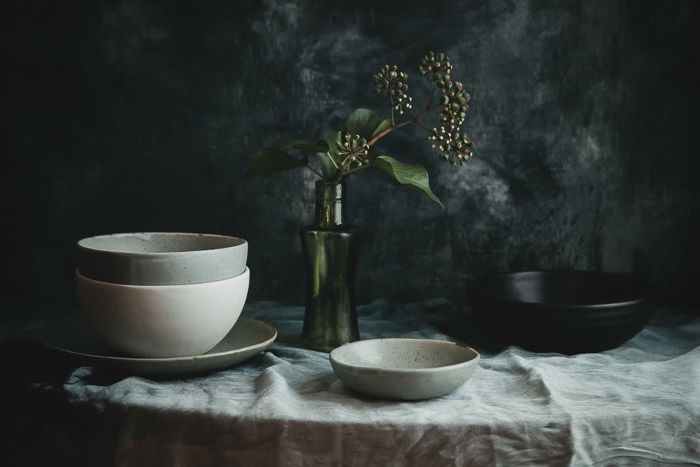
246	339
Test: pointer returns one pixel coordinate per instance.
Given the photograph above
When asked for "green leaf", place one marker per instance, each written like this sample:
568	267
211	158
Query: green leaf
413	175
318	148
308	146
328	169
332	141
362	122
269	160
383	125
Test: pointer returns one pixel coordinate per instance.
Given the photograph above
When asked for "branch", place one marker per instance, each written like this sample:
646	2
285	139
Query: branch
314	170
402	124
425	127
332	160
430	90
364	166
391	110
347	172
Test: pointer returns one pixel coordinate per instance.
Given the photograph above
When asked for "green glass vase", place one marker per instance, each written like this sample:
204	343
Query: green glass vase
330	249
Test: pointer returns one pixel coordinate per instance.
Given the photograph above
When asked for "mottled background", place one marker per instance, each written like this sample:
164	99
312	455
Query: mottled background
138	116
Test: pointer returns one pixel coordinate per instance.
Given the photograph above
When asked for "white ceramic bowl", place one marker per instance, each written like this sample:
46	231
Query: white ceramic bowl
406	369
163	321
161	258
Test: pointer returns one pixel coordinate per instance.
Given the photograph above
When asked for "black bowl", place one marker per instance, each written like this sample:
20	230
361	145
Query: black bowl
561	310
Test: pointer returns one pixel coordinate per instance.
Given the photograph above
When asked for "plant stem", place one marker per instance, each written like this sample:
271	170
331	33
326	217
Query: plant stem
358	168
402	124
347	172
314	170
430	91
332	160
425	127
391	110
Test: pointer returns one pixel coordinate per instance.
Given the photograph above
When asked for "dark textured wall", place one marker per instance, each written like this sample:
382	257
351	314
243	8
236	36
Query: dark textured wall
137	116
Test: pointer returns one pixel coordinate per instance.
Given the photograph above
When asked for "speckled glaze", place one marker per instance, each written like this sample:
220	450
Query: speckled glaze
166	320
161	258
405	369
74	338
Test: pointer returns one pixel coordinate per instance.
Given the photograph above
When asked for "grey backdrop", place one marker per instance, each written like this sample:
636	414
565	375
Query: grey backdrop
137	116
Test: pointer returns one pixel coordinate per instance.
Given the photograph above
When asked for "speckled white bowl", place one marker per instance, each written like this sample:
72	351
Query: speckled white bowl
161	321
161	258
406	369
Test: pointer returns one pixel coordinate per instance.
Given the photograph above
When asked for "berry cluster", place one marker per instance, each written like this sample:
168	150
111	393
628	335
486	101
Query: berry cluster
453	100
453	146
435	63
392	83
351	151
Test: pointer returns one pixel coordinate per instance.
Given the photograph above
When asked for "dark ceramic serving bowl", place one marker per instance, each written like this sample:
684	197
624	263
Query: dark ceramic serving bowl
562	311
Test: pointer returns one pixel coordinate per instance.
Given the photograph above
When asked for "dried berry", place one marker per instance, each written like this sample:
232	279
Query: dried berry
352	151
390	82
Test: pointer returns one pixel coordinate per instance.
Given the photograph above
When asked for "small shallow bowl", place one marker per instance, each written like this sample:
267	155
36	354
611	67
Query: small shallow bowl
565	311
162	321
405	369
161	258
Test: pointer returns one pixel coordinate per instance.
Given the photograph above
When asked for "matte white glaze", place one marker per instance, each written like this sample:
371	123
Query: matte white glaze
163	321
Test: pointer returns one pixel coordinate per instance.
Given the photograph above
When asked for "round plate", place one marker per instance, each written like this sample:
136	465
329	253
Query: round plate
75	339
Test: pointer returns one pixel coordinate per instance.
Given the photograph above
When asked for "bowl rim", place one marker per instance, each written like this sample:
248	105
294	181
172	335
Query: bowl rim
648	297
474	360
240	277
240	242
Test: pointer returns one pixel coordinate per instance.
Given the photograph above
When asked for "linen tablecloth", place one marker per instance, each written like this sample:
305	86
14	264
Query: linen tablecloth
638	404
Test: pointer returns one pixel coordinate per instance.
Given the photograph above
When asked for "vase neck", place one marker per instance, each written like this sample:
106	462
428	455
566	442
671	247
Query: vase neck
329	204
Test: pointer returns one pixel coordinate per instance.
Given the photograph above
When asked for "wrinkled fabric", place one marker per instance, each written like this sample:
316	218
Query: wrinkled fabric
638	404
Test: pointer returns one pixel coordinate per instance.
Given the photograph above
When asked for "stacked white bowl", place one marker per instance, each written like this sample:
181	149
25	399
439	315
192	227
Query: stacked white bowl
162	295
